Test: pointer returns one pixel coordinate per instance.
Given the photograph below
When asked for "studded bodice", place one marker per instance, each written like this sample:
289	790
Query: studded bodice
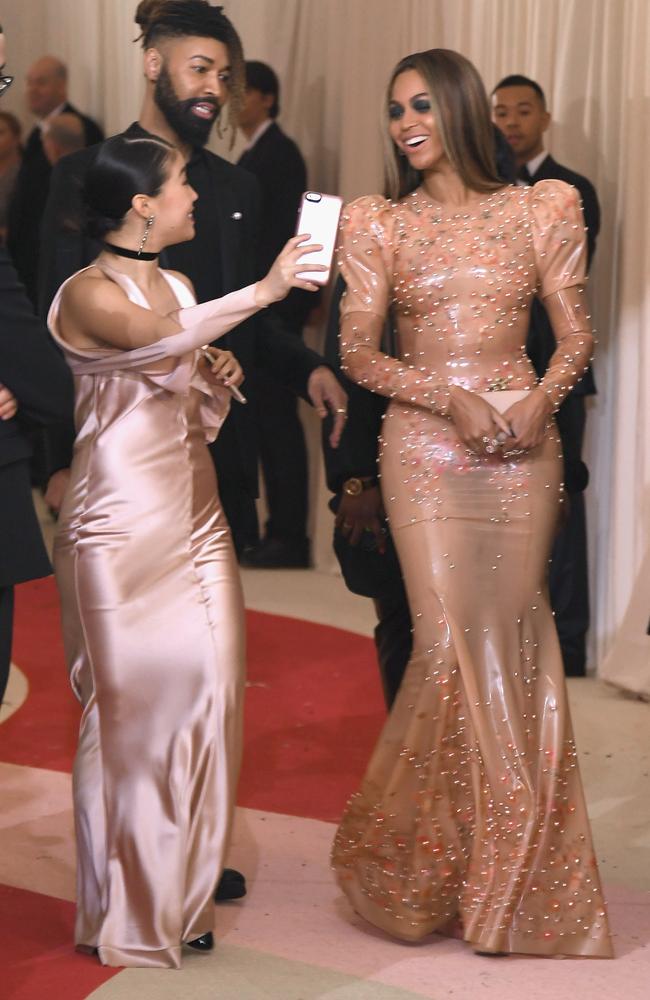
459	287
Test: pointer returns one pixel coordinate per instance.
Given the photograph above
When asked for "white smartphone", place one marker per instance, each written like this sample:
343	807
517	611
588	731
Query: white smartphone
319	218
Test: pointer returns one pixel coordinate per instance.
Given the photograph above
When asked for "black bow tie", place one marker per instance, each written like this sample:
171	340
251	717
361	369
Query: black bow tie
524	174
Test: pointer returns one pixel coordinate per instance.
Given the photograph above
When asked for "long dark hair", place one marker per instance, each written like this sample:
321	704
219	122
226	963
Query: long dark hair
461	110
123	168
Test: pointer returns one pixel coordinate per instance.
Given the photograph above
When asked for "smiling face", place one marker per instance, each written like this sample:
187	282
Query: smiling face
520	114
412	124
173	206
192	77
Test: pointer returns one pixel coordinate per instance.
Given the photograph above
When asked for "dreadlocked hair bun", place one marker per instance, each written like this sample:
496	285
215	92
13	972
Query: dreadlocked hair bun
146	12
161	19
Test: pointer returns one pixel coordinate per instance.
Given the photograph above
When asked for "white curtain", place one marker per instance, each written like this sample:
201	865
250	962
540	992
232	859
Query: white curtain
333	58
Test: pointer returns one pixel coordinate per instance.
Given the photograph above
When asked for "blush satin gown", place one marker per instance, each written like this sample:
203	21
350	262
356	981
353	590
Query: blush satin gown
472	807
153	628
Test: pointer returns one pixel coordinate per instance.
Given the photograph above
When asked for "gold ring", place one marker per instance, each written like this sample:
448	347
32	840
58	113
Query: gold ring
341	409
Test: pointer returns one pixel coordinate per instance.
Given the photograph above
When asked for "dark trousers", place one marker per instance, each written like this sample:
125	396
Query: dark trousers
241	513
6	634
568	577
394	641
283	454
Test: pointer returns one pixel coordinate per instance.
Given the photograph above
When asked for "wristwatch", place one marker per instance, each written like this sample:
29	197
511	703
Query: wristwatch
355	486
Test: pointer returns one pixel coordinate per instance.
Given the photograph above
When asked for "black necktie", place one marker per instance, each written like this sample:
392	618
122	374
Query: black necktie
524	174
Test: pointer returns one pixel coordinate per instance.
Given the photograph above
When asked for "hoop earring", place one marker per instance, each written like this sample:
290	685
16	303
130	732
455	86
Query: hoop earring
145	235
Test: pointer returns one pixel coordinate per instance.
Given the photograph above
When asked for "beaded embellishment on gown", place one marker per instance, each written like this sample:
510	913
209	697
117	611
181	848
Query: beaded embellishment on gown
472	804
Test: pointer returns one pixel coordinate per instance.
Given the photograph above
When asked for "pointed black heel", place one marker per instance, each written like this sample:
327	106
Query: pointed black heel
203	943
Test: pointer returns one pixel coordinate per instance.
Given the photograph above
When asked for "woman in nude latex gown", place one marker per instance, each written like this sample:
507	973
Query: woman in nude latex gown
150	593
472	808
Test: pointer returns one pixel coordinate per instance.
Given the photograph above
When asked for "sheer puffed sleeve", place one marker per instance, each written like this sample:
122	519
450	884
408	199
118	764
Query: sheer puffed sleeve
559	239
365	254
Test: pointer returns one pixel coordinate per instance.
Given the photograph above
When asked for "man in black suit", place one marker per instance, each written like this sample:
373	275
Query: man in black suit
35	377
35	388
362	542
192	63
277	163
47	87
519	110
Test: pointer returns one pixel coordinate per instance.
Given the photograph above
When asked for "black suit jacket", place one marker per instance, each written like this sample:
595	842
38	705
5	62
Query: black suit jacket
28	202
540	343
35	372
277	163
232	203
365	570
356	454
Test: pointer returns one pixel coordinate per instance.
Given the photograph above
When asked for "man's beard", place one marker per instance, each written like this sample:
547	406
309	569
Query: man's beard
188	127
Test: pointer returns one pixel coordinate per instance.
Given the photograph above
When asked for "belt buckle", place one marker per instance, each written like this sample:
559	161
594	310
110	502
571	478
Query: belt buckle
499	384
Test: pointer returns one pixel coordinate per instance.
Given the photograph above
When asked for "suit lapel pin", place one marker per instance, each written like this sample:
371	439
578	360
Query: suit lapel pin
236	215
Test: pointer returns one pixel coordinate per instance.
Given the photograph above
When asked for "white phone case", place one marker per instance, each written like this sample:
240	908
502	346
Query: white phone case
319	218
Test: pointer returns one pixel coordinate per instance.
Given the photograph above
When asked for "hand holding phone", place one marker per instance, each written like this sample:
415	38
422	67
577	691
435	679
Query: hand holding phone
283	275
232	389
319	217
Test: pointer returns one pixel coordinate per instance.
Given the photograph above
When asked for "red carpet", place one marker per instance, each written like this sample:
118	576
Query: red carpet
313	707
38	960
313	711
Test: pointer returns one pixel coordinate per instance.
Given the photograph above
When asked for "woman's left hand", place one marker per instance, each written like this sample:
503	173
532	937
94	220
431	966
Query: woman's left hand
528	419
225	368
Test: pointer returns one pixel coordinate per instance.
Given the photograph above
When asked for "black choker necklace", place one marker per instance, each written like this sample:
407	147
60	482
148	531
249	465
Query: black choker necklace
131	254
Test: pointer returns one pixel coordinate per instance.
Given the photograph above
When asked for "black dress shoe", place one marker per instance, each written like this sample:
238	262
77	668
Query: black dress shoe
232	885
277	553
203	943
86	949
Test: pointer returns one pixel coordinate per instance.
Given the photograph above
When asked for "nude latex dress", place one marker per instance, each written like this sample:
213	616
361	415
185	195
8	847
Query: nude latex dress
472	805
153	629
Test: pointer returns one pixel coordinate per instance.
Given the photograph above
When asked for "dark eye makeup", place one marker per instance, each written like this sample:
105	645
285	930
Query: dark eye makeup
419	103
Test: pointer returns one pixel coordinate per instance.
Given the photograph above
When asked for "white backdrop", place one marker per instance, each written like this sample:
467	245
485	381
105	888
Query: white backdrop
333	57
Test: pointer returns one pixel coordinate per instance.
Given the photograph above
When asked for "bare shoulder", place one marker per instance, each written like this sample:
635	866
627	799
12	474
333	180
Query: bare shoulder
91	287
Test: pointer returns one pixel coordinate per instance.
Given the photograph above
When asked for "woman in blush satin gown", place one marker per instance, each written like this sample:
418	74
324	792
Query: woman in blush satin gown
471	811
151	599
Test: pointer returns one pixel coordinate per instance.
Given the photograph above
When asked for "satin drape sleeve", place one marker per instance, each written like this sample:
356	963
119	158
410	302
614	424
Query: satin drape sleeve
208	321
365	253
200	324
559	240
